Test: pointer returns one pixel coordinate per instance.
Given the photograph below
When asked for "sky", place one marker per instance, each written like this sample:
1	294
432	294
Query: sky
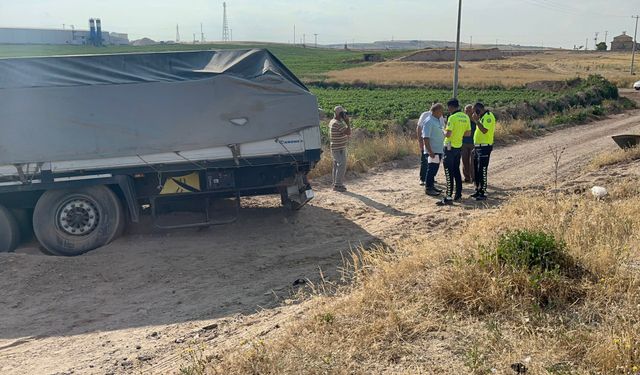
552	23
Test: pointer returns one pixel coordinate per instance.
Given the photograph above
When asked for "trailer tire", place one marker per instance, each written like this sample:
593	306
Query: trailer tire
9	231
24	218
71	222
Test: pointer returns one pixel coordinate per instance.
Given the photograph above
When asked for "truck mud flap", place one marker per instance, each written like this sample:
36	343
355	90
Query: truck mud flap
297	194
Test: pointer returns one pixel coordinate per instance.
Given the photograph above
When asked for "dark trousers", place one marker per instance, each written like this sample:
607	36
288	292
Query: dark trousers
432	171
452	172
468	168
423	167
481	165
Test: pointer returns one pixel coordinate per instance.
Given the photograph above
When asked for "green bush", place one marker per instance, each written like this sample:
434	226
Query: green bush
531	250
578	116
598	110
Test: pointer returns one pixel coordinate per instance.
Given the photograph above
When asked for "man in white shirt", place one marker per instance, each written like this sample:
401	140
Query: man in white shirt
424	164
423	156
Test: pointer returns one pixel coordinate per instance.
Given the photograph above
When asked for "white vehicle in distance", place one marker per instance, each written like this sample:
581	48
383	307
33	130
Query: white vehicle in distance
637	85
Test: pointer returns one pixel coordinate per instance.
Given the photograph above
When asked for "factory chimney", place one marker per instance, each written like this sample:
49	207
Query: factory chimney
92	31
98	32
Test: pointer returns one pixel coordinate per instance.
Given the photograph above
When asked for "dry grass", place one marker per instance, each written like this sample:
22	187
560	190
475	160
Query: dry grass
513	129
615	157
368	152
439	305
515	71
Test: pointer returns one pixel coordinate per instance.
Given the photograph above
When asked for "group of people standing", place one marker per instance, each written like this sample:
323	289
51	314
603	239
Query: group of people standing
464	136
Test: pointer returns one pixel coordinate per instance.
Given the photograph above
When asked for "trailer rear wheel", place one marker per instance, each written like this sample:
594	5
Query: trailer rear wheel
24	218
9	231
74	221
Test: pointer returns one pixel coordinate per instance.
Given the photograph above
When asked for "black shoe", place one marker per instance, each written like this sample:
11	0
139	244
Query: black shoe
421	183
445	202
457	198
438	190
432	192
475	195
481	197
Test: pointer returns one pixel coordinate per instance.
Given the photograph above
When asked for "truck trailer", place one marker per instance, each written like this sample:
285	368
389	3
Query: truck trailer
89	143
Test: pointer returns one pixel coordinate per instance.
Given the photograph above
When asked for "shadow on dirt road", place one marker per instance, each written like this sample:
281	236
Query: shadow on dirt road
173	277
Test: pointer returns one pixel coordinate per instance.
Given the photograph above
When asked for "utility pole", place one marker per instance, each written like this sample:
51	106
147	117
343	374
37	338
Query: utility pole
177	33
294	34
201	34
596	40
586	45
304	40
635	43
194	38
316	41
455	68
606	34
471	42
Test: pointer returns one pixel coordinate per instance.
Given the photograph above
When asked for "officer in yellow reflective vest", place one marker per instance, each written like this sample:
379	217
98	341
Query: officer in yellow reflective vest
483	140
458	126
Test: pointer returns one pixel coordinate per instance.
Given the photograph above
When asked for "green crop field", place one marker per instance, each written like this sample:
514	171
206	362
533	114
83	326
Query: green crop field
371	106
306	63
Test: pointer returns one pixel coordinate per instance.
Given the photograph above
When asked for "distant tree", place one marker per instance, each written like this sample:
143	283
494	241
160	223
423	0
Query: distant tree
602	46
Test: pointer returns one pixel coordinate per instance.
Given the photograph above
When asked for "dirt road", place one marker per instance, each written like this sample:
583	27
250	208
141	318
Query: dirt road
135	305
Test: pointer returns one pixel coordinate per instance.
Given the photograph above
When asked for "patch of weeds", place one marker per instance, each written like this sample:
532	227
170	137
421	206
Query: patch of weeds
196	361
327	318
476	360
562	368
627	352
531	249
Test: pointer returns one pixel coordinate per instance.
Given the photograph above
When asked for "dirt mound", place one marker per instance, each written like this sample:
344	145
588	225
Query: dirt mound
144	42
449	55
548	85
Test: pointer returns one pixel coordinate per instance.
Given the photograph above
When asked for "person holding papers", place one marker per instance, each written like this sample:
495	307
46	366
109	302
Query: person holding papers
458	127
433	137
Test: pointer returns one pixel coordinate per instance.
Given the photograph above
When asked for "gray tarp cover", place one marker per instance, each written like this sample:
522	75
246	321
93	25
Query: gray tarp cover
90	107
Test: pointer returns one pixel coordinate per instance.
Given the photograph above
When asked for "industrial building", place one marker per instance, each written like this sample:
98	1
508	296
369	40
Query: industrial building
623	43
93	36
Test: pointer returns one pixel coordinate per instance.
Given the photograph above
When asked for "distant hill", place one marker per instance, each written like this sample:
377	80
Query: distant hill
423	44
144	42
